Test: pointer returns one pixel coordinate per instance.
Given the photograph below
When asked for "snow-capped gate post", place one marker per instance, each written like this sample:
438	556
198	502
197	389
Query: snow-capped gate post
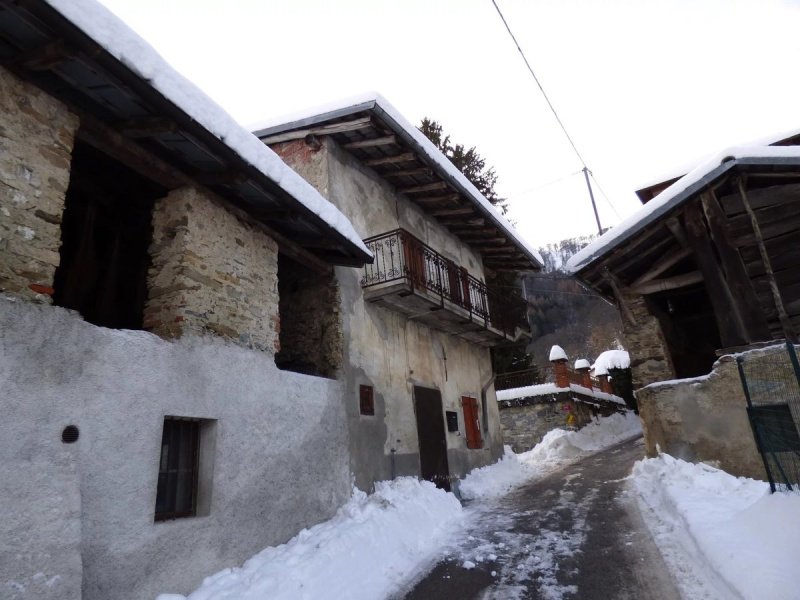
582	367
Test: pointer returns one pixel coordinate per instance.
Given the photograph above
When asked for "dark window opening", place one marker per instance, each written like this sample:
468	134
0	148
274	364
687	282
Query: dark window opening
178	469
310	327
105	234
366	399
690	329
452	420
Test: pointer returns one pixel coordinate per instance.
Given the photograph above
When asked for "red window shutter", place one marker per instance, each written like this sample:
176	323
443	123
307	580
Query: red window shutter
473	430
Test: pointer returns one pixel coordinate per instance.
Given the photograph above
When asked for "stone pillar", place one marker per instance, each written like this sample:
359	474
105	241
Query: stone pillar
605	384
211	273
36	139
561	371
582	367
645	341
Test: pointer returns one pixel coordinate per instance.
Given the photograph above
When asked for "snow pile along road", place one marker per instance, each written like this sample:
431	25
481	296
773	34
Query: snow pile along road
723	536
557	448
372	546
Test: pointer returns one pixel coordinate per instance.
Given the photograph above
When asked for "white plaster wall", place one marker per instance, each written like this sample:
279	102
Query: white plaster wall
280	464
386	350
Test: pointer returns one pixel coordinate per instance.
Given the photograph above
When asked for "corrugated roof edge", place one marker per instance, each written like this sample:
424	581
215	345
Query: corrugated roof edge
389	114
677	193
126	46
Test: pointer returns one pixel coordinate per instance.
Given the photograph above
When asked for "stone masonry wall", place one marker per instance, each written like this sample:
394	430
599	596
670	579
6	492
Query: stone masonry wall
36	139
525	423
211	273
703	419
644	340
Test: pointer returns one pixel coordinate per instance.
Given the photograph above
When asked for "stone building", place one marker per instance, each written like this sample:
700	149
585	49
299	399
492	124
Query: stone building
706	268
191	367
134	211
418	322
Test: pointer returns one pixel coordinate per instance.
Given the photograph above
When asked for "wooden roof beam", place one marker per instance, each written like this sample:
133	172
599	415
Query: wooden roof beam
668	283
446	212
352	125
426	187
46	57
146	127
408	172
388	140
388	160
447	198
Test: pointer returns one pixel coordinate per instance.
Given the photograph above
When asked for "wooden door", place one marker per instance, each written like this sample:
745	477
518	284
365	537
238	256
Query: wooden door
432	440
472	422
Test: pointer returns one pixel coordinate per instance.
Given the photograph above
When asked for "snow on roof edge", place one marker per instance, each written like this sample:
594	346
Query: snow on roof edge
673	196
375	101
686	167
126	46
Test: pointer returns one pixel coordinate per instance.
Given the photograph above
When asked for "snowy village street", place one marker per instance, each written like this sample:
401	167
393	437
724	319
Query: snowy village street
576	533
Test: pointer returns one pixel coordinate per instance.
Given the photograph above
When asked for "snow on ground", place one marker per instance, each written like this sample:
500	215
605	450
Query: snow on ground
723	536
368	550
557	448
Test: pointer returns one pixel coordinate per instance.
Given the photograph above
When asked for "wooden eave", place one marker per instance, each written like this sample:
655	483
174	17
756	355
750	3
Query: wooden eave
44	48
386	150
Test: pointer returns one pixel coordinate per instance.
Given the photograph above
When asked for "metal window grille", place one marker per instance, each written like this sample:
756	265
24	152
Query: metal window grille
178	467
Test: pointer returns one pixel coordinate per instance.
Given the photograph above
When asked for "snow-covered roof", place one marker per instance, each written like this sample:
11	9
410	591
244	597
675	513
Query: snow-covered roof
686	167
679	192
415	139
557	353
131	51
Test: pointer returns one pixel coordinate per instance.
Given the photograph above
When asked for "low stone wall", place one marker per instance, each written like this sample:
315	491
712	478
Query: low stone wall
526	421
703	419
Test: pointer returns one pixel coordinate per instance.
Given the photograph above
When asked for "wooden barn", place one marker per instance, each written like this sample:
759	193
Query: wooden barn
709	264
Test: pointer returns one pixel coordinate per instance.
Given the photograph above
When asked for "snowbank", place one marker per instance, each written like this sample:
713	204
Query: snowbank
744	540
557	448
370	548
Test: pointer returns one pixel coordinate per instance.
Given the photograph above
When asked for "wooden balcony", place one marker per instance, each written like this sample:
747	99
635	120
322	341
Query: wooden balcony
411	278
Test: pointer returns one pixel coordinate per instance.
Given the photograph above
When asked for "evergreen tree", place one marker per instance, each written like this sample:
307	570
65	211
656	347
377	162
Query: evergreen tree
466	160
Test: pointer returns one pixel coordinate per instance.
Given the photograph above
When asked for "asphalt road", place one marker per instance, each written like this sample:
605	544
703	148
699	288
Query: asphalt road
577	534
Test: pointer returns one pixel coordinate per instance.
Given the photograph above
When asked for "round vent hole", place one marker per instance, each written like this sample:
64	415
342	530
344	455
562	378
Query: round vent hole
70	434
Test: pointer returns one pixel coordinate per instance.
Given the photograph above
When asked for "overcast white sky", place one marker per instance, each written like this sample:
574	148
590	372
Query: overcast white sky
643	86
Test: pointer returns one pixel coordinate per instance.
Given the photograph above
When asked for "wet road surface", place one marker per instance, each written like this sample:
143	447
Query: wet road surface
577	533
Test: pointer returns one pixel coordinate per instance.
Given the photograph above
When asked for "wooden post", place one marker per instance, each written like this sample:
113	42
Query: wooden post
627	314
745	297
726	312
786	324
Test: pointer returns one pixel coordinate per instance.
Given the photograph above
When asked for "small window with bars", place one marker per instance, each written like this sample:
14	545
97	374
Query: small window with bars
366	399
176	496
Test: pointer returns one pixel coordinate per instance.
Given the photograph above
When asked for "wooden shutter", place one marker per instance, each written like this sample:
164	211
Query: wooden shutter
473	430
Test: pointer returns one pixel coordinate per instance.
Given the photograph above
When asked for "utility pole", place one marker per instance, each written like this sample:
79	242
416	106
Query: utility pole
591	196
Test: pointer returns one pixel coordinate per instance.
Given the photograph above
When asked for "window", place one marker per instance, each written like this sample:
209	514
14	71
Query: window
471	422
366	399
178	469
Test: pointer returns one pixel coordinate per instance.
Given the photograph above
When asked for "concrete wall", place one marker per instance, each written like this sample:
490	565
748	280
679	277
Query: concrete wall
211	273
645	341
279	462
36	138
383	348
702	419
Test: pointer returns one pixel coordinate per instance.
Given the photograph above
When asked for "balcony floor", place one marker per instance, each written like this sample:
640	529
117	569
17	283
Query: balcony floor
430	309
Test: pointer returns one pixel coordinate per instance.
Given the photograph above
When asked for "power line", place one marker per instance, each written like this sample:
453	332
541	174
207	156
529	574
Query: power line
608	200
536	79
544	185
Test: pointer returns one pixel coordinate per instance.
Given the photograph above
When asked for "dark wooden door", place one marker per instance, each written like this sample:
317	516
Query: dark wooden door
432	441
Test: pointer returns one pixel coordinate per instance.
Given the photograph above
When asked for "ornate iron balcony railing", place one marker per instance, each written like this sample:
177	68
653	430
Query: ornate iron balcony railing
399	256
